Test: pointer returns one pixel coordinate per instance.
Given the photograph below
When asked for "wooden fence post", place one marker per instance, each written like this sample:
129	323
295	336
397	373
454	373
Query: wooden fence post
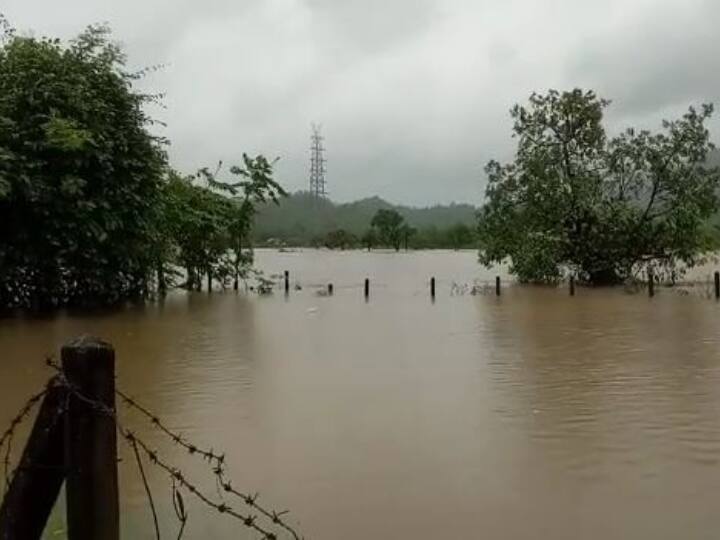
330	289
717	285
91	441
651	282
432	287
39	474
572	285
287	282
497	286
367	288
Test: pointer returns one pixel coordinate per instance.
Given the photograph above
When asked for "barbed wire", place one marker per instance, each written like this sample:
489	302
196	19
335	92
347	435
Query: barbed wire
8	435
216	461
147	489
176	475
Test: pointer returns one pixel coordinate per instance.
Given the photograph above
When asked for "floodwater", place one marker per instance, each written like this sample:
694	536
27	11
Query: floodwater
532	415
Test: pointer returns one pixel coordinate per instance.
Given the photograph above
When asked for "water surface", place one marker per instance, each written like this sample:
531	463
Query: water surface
532	415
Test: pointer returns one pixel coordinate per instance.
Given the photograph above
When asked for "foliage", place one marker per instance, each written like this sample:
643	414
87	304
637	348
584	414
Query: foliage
91	212
601	208
255	187
303	220
390	226
80	174
340	239
460	235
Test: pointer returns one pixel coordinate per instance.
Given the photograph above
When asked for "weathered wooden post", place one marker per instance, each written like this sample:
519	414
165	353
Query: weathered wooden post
717	285
90	441
651	282
330	289
572	285
497	286
432	287
40	472
367	288
287	282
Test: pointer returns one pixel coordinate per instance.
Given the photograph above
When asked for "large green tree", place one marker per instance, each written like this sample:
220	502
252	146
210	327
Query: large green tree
574	200
80	174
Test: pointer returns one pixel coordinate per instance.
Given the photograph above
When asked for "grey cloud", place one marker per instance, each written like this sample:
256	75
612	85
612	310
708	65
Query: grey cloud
413	94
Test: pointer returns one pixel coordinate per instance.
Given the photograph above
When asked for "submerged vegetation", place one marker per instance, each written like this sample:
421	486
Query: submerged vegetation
576	201
92	213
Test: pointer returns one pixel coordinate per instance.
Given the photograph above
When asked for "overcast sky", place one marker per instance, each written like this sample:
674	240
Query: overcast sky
413	95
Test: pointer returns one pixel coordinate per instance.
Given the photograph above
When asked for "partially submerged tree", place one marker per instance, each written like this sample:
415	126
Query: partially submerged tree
575	201
255	187
389	224
80	174
90	212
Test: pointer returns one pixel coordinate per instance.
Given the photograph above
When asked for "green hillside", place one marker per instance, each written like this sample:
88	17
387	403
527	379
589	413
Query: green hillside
303	220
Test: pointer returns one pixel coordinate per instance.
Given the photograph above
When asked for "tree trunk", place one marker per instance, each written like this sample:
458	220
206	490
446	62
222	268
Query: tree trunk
603	277
161	285
209	279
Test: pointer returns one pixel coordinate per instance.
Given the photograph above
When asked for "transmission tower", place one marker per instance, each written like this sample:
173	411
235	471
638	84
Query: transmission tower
317	163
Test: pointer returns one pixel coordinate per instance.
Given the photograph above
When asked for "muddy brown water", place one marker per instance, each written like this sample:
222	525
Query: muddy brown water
533	415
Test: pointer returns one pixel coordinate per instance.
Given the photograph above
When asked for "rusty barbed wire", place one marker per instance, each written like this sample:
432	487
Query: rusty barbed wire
176	475
215	459
6	439
218	466
208	454
147	489
57	415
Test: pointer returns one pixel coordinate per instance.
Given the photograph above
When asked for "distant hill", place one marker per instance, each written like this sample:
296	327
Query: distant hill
301	219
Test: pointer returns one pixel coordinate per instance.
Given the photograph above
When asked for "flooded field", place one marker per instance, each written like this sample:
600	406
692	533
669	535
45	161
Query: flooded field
532	415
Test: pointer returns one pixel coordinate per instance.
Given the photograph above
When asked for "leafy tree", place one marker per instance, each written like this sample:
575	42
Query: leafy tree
255	187
574	200
459	236
369	238
389	224
406	231
198	219
340	239
80	173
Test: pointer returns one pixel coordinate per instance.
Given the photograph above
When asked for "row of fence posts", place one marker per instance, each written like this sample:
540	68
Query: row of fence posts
498	285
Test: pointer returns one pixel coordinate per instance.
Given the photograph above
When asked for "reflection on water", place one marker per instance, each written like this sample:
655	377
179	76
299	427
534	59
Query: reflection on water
533	415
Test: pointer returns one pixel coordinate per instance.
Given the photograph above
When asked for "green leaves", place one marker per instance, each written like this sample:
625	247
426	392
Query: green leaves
80	175
389	224
573	199
65	134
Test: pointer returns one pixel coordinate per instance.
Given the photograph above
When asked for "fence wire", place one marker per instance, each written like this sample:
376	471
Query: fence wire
258	517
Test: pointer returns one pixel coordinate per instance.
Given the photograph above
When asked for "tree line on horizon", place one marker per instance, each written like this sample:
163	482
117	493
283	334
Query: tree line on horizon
94	214
304	220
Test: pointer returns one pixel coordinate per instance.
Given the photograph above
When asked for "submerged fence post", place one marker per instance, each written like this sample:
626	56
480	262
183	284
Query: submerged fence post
330	289
651	282
497	286
432	287
40	473
287	282
572	285
367	288
717	285
90	441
